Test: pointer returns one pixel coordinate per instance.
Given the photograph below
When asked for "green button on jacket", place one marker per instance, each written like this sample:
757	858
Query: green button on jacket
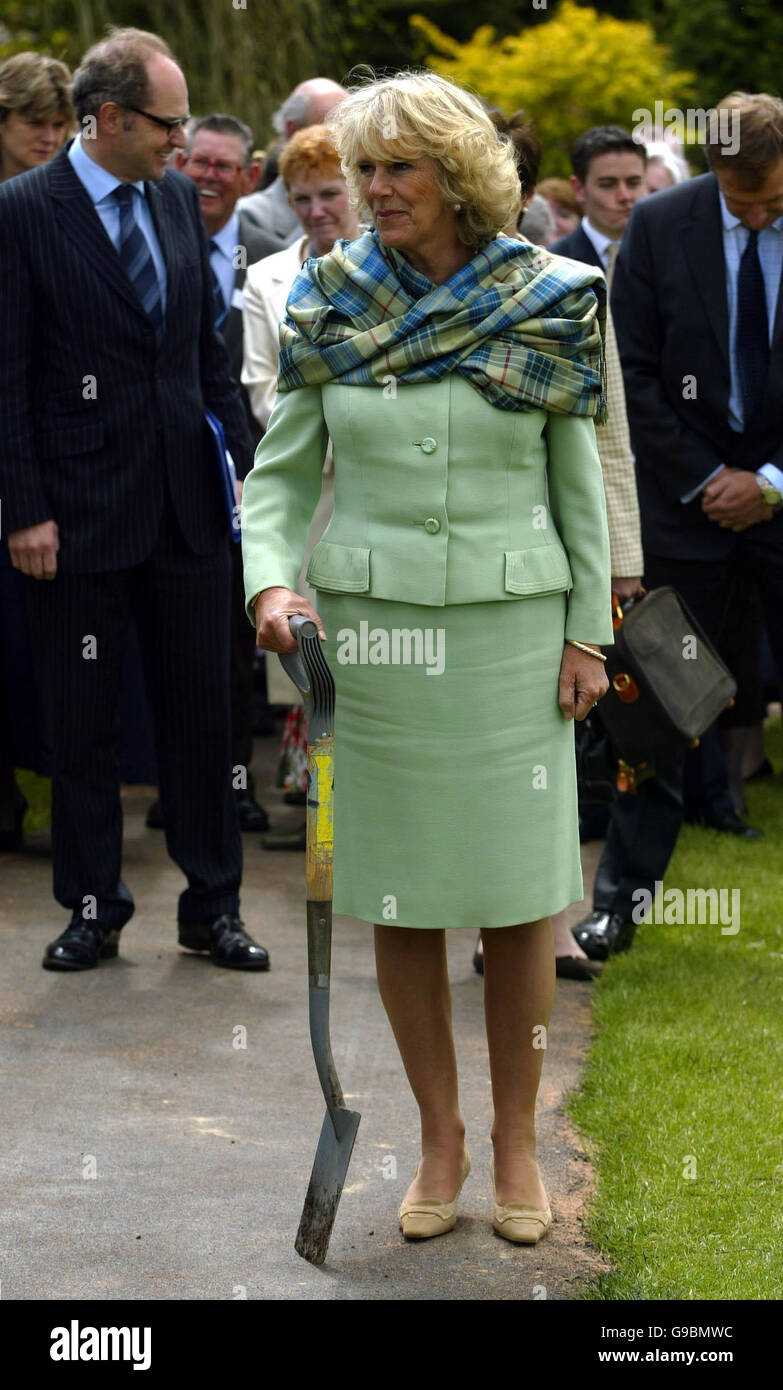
440	498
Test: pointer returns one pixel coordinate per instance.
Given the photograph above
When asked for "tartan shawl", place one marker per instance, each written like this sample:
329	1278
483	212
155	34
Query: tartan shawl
525	327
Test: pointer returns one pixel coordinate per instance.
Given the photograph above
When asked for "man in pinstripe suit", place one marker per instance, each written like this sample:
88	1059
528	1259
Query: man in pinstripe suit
110	491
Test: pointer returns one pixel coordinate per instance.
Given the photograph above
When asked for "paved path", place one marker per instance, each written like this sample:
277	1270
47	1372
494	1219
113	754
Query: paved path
201	1149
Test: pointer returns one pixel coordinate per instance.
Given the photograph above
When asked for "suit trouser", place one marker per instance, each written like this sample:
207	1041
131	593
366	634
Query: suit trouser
707	587
79	624
643	829
243	646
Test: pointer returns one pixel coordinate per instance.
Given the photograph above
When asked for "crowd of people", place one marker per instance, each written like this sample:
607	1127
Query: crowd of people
295	204
154	266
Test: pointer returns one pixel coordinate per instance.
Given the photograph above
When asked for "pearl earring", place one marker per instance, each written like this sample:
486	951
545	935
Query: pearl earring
457	207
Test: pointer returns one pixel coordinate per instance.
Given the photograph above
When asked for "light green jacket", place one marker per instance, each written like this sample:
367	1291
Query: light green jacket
440	498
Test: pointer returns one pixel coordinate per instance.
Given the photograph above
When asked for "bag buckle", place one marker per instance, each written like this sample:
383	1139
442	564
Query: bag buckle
629	775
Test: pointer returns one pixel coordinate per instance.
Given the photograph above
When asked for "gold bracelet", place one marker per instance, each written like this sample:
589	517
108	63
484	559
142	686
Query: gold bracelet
583	648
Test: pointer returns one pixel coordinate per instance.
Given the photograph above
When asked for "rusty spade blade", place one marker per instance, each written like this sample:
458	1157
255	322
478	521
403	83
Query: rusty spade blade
309	671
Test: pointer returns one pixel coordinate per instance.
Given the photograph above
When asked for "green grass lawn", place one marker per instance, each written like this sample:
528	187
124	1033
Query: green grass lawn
686	1074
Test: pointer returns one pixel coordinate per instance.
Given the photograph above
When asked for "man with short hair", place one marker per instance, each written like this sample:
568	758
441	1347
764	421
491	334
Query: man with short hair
699	313
270	211
608	179
111	493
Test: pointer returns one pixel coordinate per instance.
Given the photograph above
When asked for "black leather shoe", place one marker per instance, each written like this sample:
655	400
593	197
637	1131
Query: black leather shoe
155	816
81	947
730	824
602	934
251	815
226	941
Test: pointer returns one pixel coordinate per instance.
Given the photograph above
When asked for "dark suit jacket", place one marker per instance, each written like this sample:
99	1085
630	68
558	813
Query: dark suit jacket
69	312
578	247
671	314
257	244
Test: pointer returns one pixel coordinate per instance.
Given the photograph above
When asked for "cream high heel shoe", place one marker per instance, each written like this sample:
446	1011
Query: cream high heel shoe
518	1221
431	1217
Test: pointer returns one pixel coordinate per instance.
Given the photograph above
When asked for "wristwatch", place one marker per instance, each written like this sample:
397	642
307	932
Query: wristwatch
772	496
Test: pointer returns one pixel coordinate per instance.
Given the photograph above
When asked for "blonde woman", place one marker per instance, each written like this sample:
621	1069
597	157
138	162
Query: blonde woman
458	373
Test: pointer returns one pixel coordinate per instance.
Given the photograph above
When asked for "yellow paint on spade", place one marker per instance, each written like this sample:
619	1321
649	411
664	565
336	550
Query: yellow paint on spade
323	777
320	818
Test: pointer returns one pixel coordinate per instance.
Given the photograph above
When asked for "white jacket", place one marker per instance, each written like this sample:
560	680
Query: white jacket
266	289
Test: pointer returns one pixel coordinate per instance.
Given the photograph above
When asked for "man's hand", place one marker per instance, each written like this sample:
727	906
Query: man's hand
34	550
582	682
273	607
734	500
627	588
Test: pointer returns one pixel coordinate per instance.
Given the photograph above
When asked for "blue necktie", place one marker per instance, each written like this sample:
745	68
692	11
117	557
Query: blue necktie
220	303
752	335
137	259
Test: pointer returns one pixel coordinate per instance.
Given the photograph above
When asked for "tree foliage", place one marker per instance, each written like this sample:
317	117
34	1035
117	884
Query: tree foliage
241	60
731	44
579	69
246	60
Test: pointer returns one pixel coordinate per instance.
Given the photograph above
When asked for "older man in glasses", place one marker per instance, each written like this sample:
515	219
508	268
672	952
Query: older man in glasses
111	495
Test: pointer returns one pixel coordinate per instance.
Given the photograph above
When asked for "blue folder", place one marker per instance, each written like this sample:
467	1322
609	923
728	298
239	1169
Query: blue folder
228	475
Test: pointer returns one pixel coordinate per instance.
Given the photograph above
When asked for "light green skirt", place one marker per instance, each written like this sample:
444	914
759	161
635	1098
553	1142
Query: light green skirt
455	799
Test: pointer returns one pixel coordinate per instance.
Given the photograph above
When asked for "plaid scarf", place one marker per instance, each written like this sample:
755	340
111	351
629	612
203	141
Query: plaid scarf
525	328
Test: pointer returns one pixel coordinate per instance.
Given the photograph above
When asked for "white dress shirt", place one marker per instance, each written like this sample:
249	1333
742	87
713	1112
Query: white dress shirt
599	240
770	248
100	185
222	259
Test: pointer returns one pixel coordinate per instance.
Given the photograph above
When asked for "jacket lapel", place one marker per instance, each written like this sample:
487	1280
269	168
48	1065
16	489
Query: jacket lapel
160	216
587	251
232	327
78	219
702	238
777	331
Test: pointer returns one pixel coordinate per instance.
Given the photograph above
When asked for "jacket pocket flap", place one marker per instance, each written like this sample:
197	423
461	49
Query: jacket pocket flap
342	568
70	439
541	569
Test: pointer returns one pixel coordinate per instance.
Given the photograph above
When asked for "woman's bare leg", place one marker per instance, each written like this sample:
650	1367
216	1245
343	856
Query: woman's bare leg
414	987
519	986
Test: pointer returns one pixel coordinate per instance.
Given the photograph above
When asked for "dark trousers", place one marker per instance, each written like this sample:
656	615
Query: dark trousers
243	646
643	829
79	623
640	838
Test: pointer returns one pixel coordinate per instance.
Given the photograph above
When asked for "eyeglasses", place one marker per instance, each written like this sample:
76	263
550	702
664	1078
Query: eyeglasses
200	164
168	126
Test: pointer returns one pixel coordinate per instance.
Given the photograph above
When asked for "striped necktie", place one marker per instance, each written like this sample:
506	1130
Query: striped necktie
751	339
137	259
612	249
220	302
